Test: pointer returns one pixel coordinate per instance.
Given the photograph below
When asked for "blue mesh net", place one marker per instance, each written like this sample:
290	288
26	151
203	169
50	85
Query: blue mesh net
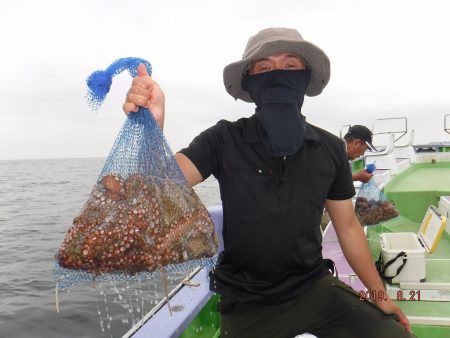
141	215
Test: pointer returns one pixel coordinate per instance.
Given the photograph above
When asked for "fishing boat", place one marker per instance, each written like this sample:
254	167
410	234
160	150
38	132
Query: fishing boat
412	176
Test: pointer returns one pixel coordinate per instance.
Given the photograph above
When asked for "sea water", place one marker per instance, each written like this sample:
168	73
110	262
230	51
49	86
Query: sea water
38	201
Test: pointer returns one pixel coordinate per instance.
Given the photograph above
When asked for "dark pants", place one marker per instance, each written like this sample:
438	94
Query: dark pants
330	309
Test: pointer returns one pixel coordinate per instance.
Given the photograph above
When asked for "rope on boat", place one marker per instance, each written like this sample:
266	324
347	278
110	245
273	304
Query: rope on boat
56	298
166	287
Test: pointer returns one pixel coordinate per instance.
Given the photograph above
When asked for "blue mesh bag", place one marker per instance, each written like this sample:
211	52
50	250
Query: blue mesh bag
141	216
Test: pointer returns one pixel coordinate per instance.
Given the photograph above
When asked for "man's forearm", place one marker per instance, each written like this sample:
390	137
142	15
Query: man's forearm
353	242
356	251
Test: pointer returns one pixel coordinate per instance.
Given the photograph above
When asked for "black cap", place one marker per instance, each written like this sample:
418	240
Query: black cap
362	133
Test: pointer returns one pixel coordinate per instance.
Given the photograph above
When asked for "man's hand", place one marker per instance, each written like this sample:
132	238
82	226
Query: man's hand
389	306
145	92
362	176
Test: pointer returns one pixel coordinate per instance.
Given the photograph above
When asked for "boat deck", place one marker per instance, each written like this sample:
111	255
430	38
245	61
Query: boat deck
432	312
418	187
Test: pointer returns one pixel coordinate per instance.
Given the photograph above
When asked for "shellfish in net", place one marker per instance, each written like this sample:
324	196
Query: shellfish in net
141	218
371	206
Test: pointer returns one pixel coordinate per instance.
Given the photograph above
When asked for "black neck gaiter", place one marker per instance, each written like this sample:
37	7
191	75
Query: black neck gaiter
278	96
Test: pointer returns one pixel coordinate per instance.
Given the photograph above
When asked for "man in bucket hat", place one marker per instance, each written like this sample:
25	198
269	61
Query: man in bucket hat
276	173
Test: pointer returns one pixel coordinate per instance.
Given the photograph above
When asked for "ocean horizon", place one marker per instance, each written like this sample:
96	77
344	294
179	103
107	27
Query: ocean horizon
38	200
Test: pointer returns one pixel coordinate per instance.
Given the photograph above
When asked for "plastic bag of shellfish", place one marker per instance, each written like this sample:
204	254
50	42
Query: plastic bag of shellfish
371	205
141	216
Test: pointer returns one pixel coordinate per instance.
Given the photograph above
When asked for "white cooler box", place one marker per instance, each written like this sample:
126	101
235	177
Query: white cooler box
403	253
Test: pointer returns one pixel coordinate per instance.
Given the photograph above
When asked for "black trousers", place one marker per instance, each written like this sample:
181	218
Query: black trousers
330	309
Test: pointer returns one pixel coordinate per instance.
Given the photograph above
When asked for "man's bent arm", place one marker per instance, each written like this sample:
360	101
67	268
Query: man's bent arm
189	170
353	242
356	250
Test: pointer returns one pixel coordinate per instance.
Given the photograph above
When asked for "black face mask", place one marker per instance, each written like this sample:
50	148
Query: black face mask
279	95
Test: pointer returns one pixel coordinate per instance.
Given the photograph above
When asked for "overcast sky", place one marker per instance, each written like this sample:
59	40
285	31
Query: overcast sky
389	58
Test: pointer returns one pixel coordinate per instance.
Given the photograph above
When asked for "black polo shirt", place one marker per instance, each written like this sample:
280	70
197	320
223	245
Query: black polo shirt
272	208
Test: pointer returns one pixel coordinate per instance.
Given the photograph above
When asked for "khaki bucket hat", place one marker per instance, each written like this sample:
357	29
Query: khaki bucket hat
273	41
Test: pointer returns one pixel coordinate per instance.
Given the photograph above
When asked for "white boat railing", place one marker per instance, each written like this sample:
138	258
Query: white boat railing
446	128
407	150
391	125
385	160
